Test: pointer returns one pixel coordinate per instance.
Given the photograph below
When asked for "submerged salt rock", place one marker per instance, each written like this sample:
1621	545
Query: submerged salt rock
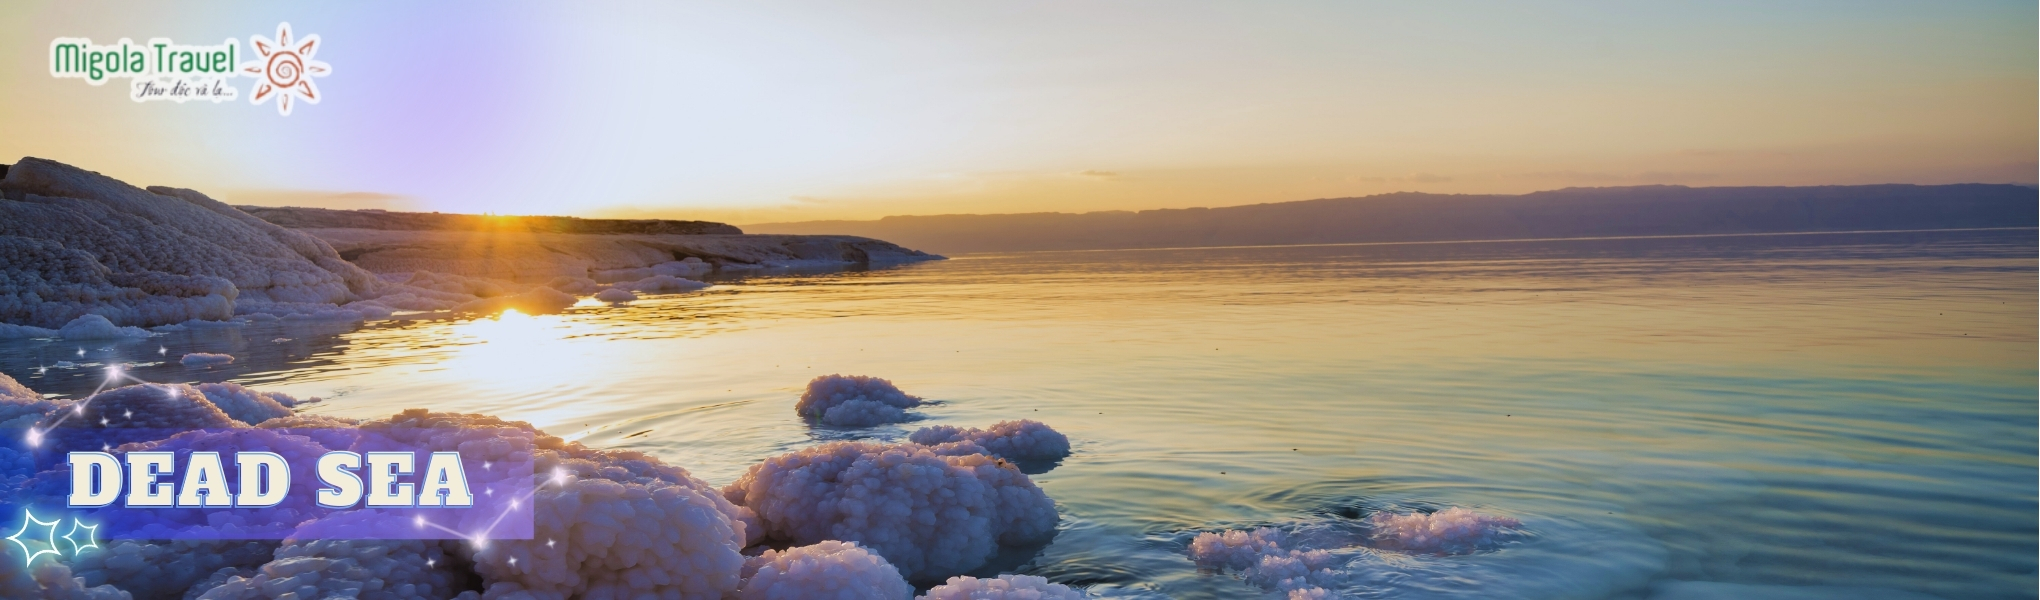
615	295
690	268
1262	560
854	401
573	285
1023	440
204	359
1235	549
930	515
830	570
20	332
247	405
537	301
1004	587
95	327
662	283
1450	531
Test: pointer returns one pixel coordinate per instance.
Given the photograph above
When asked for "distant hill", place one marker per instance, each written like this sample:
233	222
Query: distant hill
323	218
1412	217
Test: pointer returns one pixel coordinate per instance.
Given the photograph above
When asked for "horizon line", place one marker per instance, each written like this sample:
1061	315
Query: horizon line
1500	241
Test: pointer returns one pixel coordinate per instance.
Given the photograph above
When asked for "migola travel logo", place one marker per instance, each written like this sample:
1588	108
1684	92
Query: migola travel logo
165	70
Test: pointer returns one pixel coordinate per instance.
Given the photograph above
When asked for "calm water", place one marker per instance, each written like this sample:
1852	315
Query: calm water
1835	410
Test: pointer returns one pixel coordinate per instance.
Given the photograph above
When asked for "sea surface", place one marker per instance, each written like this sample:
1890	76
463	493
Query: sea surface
1776	416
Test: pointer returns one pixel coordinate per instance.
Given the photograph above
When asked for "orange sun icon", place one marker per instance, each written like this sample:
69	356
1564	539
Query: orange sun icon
286	70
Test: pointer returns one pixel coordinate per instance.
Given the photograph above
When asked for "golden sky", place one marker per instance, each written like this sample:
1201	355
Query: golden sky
770	111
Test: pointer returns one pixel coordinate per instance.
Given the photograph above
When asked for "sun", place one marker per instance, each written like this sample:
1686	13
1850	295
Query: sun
286	70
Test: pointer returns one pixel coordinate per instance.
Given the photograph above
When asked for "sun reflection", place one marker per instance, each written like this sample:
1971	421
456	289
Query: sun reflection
530	357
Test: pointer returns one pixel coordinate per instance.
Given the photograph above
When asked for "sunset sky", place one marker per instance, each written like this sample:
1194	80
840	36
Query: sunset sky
771	111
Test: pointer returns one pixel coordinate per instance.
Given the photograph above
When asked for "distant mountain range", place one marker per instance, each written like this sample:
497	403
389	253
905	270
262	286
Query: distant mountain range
1417	217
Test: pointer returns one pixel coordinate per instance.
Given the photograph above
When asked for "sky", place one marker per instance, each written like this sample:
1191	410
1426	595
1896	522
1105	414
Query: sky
751	112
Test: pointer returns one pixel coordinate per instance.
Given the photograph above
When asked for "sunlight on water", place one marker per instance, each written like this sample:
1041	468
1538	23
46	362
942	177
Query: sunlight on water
1852	415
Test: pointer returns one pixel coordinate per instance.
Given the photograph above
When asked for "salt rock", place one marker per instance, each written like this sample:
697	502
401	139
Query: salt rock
248	405
1004	587
1022	440
367	569
95	327
615	295
930	515
830	570
606	524
1450	531
74	242
854	401
662	283
204	359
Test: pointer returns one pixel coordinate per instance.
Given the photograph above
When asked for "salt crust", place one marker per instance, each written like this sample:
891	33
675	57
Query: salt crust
84	256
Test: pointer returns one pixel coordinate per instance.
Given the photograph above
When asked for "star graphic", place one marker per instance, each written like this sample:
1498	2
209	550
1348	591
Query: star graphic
72	537
286	69
50	532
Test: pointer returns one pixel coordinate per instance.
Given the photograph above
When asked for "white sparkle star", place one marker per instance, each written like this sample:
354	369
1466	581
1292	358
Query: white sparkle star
29	518
90	540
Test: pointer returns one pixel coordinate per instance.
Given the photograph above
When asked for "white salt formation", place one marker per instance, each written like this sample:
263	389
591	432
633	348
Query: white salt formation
864	517
73	242
365	569
204	359
662	284
1022	440
608	524
247	405
930	515
1005	587
95	327
1450	531
854	401
166	569
99	258
1260	558
830	570
1281	562
19	332
615	295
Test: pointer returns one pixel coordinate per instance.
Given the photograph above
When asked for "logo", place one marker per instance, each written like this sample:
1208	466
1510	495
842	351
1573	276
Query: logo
286	70
163	70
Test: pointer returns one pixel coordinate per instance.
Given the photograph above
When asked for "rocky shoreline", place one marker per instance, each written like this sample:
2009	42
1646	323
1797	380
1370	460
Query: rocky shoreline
75	243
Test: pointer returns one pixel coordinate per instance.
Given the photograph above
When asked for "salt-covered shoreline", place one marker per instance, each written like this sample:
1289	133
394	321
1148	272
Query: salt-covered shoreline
839	520
75	243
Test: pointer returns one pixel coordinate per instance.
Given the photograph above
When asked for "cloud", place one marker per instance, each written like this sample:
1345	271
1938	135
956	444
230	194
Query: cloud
809	199
322	199
1098	174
